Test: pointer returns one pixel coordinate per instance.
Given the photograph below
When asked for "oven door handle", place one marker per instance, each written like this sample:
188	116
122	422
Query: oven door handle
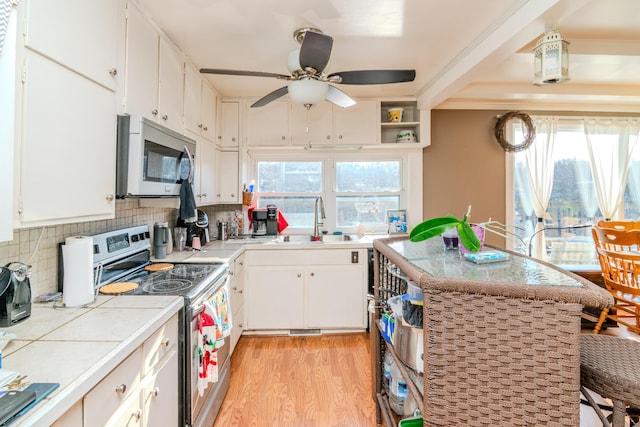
200	308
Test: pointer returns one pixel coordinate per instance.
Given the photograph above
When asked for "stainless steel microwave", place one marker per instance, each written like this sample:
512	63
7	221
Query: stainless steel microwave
152	160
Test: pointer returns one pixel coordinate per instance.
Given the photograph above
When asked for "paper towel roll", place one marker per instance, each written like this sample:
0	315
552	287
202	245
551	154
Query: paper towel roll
77	285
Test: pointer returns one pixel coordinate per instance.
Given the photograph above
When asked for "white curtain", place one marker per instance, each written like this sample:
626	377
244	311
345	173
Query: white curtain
540	165
610	142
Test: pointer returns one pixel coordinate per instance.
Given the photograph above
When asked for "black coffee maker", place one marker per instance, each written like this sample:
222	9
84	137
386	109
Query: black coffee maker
200	228
15	293
265	221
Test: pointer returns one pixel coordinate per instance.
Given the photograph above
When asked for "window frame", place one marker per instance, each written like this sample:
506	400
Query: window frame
328	193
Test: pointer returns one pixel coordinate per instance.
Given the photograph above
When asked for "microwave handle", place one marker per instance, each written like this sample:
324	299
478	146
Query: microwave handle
190	164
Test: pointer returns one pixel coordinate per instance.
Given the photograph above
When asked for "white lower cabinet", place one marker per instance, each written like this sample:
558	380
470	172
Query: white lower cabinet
141	391
71	418
236	295
306	289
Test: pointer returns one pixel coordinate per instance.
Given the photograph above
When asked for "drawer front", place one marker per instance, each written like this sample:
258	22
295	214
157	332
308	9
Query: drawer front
112	392
160	343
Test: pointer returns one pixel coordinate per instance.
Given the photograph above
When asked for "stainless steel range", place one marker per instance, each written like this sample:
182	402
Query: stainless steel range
124	256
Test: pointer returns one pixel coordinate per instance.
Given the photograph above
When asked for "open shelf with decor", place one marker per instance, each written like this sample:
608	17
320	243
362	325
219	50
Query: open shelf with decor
407	127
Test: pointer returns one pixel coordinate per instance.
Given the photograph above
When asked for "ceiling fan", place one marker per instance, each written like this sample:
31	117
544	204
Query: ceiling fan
309	83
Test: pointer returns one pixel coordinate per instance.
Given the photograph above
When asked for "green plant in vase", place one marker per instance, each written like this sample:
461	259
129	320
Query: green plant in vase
436	226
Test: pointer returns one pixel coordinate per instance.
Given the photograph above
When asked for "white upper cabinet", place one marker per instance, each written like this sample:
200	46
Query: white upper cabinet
268	125
199	104
229	125
356	125
141	62
154	73
327	124
204	185
66	110
170	89
313	126
77	33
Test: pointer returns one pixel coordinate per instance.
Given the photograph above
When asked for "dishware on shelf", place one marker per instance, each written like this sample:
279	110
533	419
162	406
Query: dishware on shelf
394	115
406	136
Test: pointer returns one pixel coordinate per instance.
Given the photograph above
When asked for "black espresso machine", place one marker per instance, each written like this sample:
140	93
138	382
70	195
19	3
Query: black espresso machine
264	222
199	228
15	293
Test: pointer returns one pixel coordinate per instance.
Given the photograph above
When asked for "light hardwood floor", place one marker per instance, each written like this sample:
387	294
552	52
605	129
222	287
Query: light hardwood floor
311	381
317	381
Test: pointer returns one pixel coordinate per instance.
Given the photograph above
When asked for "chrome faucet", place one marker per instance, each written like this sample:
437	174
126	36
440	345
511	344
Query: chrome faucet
317	222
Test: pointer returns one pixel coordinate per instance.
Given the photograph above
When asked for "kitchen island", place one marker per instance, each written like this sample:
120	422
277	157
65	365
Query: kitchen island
500	341
78	347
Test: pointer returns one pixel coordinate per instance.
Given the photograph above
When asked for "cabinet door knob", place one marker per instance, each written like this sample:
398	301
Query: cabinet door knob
204	194
113	72
328	137
339	136
233	139
109	197
165	117
312	274
154	112
241	263
206	128
233	195
137	414
155	392
165	342
283	137
299	275
235	288
240	291
122	388
240	325
200	125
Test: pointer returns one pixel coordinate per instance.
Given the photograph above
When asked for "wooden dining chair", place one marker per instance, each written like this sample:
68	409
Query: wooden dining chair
621	274
616	239
619	225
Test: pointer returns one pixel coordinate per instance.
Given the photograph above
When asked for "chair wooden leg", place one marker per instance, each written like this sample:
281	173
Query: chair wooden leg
603	317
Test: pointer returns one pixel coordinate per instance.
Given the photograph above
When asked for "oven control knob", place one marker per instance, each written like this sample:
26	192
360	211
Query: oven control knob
134	238
121	388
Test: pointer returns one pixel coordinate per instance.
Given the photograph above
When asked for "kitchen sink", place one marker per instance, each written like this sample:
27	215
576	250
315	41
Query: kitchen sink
303	238
336	238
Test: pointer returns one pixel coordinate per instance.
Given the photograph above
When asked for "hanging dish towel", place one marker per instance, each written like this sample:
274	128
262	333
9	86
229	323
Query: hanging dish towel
187	209
215	325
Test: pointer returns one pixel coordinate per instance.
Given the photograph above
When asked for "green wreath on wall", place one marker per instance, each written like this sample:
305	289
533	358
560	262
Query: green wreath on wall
500	131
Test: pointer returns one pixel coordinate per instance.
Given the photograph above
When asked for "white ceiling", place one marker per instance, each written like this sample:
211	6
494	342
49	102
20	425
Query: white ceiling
466	53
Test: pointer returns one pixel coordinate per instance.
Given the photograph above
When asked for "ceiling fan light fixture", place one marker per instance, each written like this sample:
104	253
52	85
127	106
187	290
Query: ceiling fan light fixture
308	91
551	59
293	61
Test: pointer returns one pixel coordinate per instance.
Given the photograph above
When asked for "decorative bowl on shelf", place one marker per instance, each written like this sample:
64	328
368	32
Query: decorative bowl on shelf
406	136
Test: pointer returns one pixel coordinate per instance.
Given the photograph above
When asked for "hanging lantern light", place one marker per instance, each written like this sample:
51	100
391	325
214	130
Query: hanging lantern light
551	59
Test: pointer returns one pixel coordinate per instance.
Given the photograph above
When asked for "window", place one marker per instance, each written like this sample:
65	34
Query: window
356	193
573	204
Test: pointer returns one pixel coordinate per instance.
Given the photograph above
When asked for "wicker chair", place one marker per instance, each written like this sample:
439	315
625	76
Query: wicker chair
621	274
610	367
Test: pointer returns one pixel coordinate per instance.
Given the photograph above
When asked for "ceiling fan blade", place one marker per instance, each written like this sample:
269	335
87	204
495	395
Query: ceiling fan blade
374	77
315	50
243	73
270	97
339	98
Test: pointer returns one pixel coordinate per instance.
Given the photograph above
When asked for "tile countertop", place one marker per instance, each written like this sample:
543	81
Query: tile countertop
77	347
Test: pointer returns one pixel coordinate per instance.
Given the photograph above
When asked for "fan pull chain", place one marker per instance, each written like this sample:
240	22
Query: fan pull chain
307	127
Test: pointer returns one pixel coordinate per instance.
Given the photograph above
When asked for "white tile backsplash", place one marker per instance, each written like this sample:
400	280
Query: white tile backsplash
44	258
